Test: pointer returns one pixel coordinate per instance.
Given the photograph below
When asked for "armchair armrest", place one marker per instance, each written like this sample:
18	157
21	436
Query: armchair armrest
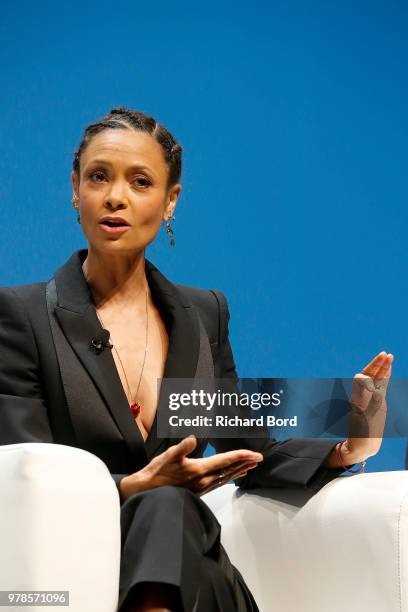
344	548
59	525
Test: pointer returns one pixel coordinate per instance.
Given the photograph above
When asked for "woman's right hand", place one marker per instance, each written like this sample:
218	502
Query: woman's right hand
200	475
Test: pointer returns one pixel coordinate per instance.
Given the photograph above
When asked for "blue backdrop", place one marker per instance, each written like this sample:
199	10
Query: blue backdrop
294	125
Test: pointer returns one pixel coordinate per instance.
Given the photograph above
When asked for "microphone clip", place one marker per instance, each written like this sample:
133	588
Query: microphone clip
100	343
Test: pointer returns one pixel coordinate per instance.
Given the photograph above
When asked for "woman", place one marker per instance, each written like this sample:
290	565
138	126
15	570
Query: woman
125	182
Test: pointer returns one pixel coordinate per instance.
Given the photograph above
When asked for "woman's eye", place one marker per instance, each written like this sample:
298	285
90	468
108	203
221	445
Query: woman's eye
96	176
93	174
143	182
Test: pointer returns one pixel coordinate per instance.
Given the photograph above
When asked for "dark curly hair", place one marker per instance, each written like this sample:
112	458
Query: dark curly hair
124	118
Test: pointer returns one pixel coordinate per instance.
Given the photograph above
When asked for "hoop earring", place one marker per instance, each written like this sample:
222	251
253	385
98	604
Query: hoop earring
170	231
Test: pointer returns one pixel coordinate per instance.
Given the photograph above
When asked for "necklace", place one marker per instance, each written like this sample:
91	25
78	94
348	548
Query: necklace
135	407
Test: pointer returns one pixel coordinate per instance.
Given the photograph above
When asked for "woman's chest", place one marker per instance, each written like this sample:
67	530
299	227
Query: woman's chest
140	348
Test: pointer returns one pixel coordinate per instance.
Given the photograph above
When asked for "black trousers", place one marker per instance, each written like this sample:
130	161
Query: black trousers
169	535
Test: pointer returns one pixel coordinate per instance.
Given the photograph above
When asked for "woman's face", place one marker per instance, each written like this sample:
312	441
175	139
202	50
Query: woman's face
123	173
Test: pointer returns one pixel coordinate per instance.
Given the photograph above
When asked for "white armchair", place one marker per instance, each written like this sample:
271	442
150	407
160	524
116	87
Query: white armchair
345	548
59	526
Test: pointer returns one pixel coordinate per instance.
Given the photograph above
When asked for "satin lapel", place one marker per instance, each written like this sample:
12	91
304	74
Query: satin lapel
79	322
184	340
184	343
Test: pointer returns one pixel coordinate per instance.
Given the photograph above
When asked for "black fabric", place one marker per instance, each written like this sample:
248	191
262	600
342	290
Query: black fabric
33	400
169	535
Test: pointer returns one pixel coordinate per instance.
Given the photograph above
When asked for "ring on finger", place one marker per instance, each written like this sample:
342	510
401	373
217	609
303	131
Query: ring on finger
221	475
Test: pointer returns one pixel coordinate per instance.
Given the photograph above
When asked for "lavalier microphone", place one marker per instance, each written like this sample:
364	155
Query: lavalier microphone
100	342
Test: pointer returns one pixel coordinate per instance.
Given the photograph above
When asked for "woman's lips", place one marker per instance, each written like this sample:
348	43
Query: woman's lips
114	230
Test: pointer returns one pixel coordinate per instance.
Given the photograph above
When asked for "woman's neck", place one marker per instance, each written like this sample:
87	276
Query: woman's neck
115	278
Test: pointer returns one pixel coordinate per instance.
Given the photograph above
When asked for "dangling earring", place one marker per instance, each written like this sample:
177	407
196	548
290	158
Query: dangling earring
76	205
170	231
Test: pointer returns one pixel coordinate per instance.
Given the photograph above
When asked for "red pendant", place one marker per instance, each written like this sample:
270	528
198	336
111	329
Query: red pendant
135	408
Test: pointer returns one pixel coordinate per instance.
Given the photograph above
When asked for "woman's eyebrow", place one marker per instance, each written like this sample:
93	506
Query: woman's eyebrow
103	162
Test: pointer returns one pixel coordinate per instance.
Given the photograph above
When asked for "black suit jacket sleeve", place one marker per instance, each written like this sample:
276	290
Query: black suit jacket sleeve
23	413
23	410
296	462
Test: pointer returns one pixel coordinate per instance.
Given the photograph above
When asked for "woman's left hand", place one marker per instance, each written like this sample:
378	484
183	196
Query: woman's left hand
368	410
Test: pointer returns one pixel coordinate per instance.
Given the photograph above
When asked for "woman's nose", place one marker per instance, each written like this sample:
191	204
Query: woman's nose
117	197
114	204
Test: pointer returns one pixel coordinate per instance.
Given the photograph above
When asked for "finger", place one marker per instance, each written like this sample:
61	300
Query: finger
183	448
376	413
372	368
215	480
208	477
239	474
381	382
378	398
229	474
239	467
368	421
384	369
218	484
383	377
361	391
222	461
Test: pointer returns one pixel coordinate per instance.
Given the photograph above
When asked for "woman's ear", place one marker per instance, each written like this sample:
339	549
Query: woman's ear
75	182
171	201
168	212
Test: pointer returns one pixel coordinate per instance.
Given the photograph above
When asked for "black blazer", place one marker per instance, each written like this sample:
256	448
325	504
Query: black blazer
33	406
